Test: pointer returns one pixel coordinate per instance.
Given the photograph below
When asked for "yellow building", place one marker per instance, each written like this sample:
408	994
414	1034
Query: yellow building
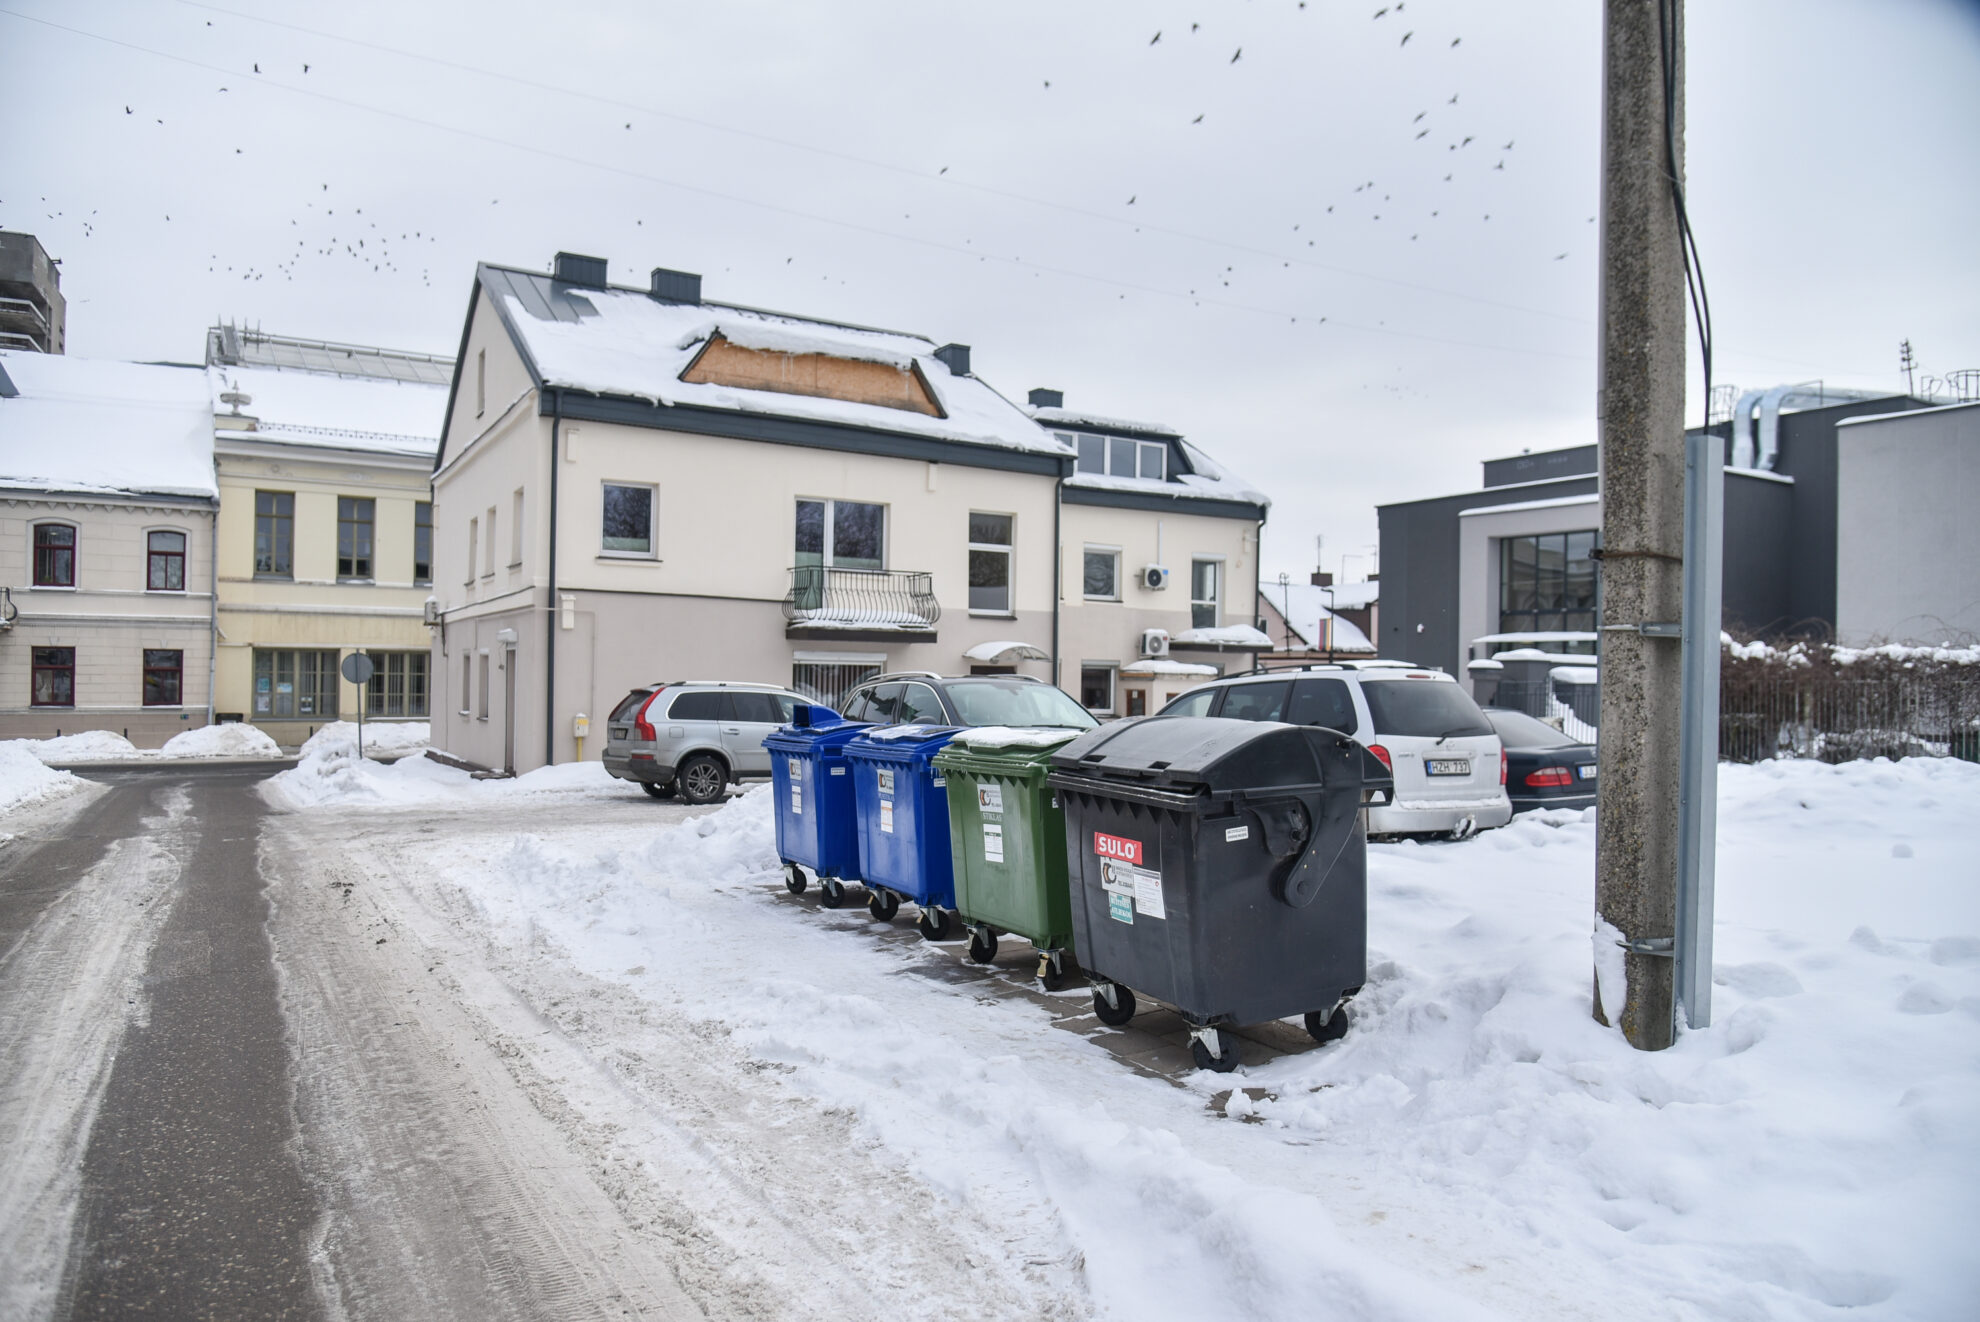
325	543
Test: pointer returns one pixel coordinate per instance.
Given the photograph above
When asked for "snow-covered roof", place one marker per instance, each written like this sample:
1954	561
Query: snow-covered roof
1305	608
622	342
96	425
304	407
1081	419
1209	481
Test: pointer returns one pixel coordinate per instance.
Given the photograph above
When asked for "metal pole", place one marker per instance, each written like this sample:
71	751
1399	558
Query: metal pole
1698	810
1641	410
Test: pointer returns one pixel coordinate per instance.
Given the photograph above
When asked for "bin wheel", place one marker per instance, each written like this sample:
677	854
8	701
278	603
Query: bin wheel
982	945
1052	969
1332	1029
831	893
1226	1058
794	879
658	791
1116	1012
934	922
883	905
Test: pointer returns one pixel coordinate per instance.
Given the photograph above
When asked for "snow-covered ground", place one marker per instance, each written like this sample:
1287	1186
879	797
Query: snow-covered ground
1476	1147
24	779
230	740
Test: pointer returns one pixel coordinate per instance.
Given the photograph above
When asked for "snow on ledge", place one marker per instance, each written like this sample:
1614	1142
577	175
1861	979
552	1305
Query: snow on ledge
1229	635
1005	651
1010	736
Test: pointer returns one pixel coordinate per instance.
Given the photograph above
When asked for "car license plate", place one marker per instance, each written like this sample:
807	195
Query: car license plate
1447	766
620	731
1587	772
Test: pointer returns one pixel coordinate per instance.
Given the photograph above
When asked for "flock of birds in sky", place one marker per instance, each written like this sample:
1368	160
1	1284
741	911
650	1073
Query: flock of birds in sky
345	236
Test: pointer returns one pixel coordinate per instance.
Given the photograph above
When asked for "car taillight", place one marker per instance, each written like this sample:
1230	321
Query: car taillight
641	728
1382	755
1503	759
1549	776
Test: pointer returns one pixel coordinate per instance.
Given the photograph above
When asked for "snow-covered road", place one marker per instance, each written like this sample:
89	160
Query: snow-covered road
562	1051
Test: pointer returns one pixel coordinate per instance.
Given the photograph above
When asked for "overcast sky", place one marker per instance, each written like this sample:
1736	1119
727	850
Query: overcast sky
1350	254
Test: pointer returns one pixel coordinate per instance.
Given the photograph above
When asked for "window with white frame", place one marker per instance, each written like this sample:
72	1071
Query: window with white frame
1120	456
1096	686
1101	580
989	563
1206	584
841	534
628	515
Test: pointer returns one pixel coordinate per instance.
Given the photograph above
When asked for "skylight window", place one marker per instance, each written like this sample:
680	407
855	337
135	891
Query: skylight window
1121	456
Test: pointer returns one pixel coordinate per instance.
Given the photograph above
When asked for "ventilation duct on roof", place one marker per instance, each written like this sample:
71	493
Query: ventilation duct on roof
955	357
1042	398
1767	405
674	286
573	269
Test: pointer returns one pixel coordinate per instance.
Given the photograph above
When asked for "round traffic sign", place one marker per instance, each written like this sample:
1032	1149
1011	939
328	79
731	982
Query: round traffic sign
357	668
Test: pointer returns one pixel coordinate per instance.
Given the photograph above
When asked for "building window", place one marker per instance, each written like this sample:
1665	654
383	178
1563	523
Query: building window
354	524
1547	584
467	682
54	557
515	529
54	677
843	534
274	534
1205	593
163	671
482	709
1102	580
628	520
398	684
423	542
1122	456
474	548
1137	702
1096	688
829	681
990	563
295	685
480	382
165	562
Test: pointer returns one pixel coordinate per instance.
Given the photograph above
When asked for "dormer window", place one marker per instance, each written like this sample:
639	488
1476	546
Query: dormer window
1122	456
723	362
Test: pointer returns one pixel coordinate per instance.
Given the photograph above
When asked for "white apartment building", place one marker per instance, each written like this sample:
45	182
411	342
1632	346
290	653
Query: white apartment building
107	506
638	485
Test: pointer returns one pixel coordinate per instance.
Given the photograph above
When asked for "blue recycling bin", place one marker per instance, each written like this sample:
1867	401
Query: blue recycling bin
903	811
816	821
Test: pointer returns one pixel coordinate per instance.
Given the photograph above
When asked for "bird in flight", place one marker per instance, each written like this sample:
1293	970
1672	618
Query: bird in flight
1157	37
1455	41
1197	120
127	110
1419	117
1466	142
1380	12
1500	166
1508	147
305	68
1453	100
1423	133
1236	56
1130	201
1406	37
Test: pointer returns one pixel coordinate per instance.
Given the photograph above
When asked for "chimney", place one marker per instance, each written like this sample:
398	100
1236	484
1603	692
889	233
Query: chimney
674	286
955	357
573	269
1042	398
1321	579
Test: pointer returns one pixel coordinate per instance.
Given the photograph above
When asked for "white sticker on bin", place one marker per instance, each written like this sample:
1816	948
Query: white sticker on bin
838	771
1138	886
886	781
993	843
887	816
1233	834
990	798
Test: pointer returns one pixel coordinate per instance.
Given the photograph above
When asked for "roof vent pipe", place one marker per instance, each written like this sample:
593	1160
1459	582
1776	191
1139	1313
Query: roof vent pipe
574	269
955	357
1042	398
674	286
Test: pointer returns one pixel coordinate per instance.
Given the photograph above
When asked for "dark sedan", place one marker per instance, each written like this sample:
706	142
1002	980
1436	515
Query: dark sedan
1544	768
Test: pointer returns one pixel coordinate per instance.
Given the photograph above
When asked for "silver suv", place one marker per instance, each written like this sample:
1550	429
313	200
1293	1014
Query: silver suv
694	739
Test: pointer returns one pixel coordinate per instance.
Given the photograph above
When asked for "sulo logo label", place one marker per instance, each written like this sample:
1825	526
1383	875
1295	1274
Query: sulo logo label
1112	846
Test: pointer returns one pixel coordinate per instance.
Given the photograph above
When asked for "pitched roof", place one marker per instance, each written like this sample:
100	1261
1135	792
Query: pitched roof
1305	609
88	425
622	342
1202	477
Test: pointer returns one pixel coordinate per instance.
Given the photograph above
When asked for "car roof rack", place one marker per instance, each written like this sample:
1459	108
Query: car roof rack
725	684
1295	667
900	674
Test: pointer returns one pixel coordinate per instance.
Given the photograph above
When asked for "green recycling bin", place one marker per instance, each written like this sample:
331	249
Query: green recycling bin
1007	839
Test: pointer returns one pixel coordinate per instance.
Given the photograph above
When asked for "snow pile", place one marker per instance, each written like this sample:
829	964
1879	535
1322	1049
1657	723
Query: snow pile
892	732
1009	736
1478	1146
1226	635
24	780
87	746
379	736
234	739
330	774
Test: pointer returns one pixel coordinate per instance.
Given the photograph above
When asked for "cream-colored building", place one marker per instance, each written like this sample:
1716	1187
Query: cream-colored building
107	504
325	454
638	485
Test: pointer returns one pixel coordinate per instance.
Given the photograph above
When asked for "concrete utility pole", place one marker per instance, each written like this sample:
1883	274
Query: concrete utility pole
1641	408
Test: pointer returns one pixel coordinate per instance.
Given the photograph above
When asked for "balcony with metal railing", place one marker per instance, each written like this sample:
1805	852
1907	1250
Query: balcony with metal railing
826	601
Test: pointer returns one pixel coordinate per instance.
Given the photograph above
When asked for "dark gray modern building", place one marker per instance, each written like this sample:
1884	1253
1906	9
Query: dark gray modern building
1511	564
33	314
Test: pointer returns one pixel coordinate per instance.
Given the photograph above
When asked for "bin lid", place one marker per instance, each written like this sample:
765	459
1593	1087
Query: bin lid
996	747
901	743
813	726
1189	753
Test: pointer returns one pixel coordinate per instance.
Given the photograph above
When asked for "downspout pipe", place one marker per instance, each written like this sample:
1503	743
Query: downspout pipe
550	626
1058	561
213	608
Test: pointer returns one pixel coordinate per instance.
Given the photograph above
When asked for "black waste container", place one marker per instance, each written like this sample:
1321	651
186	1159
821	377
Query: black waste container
1222	867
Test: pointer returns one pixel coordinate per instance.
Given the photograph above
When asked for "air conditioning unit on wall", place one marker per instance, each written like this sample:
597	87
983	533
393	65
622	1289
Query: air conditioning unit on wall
1154	642
1154	577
